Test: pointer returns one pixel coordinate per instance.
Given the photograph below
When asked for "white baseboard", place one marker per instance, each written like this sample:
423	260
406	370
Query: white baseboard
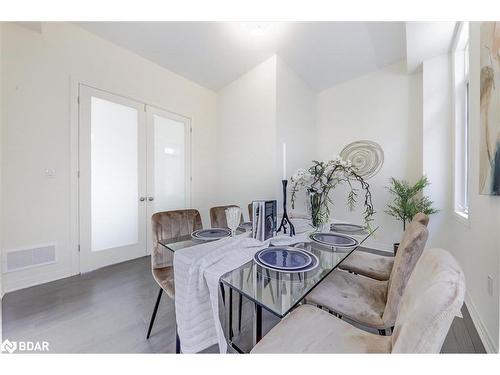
11	284
488	343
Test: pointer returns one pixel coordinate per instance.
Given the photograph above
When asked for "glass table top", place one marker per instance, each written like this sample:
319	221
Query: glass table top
278	292
182	242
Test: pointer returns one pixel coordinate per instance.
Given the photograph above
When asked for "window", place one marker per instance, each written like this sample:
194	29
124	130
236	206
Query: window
461	88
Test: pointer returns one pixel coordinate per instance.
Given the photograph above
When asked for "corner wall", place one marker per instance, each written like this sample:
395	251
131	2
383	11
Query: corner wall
438	144
1	168
296	126
246	138
476	243
266	107
383	106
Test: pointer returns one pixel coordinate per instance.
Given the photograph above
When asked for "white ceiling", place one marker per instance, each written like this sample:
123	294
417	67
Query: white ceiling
213	54
426	40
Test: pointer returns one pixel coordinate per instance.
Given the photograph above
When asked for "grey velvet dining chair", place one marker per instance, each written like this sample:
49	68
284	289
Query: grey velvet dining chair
168	225
370	302
433	297
218	216
375	266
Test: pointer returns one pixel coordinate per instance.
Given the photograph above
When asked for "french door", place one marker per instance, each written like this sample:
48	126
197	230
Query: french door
133	161
168	163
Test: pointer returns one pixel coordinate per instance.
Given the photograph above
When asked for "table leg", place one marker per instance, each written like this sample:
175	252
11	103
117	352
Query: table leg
257	324
229	311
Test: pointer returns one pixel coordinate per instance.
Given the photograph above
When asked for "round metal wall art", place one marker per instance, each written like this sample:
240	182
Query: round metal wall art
367	157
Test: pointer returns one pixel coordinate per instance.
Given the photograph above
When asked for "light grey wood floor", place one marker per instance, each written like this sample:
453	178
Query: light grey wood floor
108	311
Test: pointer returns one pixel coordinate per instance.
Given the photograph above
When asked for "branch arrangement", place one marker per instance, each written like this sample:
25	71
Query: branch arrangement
322	177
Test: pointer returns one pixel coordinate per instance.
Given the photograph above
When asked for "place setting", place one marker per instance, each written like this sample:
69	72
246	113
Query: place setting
212	234
334	240
286	259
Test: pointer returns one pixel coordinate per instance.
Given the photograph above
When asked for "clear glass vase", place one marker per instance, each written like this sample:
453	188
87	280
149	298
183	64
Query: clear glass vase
317	206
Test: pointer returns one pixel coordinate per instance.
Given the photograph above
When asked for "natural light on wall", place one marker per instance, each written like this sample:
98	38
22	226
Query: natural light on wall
461	119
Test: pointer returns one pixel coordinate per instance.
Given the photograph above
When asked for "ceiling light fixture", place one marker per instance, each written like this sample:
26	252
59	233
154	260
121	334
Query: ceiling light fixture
258	29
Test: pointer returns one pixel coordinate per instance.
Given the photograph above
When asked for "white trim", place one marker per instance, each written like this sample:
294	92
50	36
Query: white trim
486	339
11	285
74	215
461	218
459	43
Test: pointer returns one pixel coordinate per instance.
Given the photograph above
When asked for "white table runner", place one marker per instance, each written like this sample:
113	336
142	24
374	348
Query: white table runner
197	273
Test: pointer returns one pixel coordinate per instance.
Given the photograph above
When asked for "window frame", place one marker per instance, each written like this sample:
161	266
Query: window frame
461	123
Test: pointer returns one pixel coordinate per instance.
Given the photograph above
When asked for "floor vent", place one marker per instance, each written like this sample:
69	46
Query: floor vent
21	259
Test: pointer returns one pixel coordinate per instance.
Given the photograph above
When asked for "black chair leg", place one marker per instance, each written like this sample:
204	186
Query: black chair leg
177	342
155	310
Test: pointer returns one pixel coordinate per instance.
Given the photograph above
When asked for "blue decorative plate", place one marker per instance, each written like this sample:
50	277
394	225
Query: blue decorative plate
334	240
211	234
314	261
284	258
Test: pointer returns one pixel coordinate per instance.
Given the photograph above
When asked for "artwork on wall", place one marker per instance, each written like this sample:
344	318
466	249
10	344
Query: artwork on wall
489	168
366	156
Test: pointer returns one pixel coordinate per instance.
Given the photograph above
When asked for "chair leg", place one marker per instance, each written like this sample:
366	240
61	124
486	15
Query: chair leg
177	342
155	310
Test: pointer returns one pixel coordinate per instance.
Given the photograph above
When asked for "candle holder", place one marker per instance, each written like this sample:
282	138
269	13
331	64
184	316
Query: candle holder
285	221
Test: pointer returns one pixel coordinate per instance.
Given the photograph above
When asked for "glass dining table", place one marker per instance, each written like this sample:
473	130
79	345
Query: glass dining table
275	291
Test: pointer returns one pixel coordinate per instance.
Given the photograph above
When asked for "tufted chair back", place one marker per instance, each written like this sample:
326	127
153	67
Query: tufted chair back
433	297
218	216
411	247
171	224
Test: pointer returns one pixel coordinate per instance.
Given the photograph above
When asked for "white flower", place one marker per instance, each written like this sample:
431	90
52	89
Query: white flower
301	176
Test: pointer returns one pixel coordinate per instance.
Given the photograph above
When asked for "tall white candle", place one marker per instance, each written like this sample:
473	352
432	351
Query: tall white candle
284	161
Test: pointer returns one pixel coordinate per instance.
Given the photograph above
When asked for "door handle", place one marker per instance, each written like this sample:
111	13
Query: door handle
151	199
142	199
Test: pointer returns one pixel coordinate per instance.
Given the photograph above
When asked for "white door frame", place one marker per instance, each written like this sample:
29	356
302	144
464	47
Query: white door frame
74	82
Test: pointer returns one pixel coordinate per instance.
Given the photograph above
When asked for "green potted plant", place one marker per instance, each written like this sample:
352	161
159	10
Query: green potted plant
408	201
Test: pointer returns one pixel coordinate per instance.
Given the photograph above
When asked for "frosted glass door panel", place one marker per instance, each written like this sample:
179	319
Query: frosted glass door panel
114	175
169	163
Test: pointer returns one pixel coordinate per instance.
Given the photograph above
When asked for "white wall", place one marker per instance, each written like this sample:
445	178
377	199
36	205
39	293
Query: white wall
257	113
438	144
383	106
1	168
246	137
476	244
36	69
295	124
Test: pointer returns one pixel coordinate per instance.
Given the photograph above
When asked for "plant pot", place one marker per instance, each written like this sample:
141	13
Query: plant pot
395	247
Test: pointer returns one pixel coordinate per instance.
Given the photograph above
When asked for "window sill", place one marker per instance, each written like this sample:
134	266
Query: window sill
462	218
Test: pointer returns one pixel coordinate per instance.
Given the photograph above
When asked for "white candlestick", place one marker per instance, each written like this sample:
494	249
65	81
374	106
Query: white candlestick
284	161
